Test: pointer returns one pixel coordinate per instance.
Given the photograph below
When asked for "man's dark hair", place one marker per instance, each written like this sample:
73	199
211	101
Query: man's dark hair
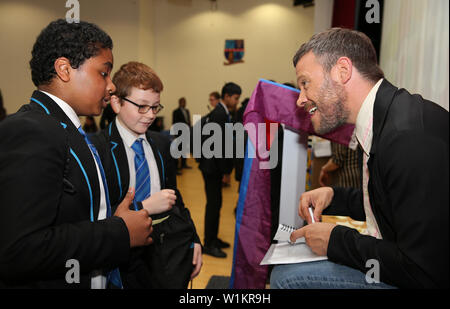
74	41
330	45
231	89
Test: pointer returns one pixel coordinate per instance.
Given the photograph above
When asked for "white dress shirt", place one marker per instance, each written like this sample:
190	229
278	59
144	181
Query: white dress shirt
364	134
128	139
98	281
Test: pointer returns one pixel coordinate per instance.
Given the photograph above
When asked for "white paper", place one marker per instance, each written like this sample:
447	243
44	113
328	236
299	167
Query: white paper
284	234
322	149
285	253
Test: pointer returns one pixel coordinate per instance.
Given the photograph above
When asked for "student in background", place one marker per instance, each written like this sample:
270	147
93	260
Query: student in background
90	126
217	170
2	108
343	167
137	157
214	99
54	203
182	115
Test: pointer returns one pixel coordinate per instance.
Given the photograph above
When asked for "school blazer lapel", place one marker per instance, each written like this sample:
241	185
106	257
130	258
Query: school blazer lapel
159	160
120	161
79	150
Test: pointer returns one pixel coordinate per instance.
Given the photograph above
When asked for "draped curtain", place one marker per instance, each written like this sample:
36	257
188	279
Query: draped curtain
414	47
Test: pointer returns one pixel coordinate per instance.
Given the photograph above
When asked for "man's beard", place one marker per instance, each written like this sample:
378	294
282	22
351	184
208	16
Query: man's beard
332	110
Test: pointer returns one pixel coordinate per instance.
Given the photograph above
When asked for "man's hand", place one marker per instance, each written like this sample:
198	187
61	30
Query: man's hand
324	178
197	260
318	199
317	236
138	223
160	201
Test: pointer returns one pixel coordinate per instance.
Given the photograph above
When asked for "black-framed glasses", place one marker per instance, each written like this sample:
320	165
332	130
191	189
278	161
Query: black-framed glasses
143	109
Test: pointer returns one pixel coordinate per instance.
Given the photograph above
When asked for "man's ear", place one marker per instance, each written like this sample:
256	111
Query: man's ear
342	70
115	104
63	68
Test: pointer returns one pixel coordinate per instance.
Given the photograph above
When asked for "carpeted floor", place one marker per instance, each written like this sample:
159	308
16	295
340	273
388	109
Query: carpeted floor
218	282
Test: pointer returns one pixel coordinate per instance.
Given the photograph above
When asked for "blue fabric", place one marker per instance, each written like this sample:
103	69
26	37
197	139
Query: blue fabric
320	275
143	181
113	277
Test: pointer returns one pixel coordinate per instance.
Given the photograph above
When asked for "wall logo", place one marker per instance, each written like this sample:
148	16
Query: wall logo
234	51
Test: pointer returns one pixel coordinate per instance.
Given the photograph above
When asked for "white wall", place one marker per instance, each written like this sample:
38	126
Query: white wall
190	40
183	40
21	21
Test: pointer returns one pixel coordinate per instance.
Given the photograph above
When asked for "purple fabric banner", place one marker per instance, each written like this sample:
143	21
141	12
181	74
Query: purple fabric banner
276	103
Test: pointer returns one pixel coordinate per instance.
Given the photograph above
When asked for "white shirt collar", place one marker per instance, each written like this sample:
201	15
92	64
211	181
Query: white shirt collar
364	126
67	109
225	107
127	136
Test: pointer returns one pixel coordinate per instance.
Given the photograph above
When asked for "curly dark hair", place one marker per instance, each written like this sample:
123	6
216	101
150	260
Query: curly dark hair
74	41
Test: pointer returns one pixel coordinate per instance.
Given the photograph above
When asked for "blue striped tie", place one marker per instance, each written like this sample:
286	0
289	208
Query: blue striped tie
143	180
113	276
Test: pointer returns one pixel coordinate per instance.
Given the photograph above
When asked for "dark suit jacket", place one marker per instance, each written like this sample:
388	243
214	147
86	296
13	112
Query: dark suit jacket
114	158
408	191
220	165
178	116
49	193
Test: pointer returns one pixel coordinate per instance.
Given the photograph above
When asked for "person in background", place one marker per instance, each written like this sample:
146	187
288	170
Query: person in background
215	170
2	108
107	116
342	169
214	99
182	115
405	171
90	126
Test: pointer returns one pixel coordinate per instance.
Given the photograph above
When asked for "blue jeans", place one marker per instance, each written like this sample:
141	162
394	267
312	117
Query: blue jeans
320	275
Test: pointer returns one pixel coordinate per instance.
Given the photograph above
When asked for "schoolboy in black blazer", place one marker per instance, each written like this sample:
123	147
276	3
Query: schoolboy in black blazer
52	197
136	103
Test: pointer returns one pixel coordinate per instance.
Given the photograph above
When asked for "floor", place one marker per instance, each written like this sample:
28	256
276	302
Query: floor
191	186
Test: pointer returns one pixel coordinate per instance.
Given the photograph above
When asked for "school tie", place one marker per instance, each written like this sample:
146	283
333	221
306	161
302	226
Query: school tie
113	277
143	180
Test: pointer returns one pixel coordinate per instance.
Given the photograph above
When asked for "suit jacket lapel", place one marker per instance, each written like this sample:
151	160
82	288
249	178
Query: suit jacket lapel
158	159
77	143
383	101
122	170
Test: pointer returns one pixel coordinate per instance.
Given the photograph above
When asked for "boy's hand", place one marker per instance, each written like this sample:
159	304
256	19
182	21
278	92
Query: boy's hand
160	202
139	224
197	260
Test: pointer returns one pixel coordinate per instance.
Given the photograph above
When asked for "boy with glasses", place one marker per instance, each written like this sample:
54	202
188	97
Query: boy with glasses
135	156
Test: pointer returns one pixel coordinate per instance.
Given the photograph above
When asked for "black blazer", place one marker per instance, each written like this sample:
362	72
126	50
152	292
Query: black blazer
178	116
215	165
408	191
49	194
135	273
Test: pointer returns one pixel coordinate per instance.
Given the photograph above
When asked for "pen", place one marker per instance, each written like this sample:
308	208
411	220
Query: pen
311	214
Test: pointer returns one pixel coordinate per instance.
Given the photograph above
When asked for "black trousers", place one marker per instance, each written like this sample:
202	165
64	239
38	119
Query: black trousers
213	189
